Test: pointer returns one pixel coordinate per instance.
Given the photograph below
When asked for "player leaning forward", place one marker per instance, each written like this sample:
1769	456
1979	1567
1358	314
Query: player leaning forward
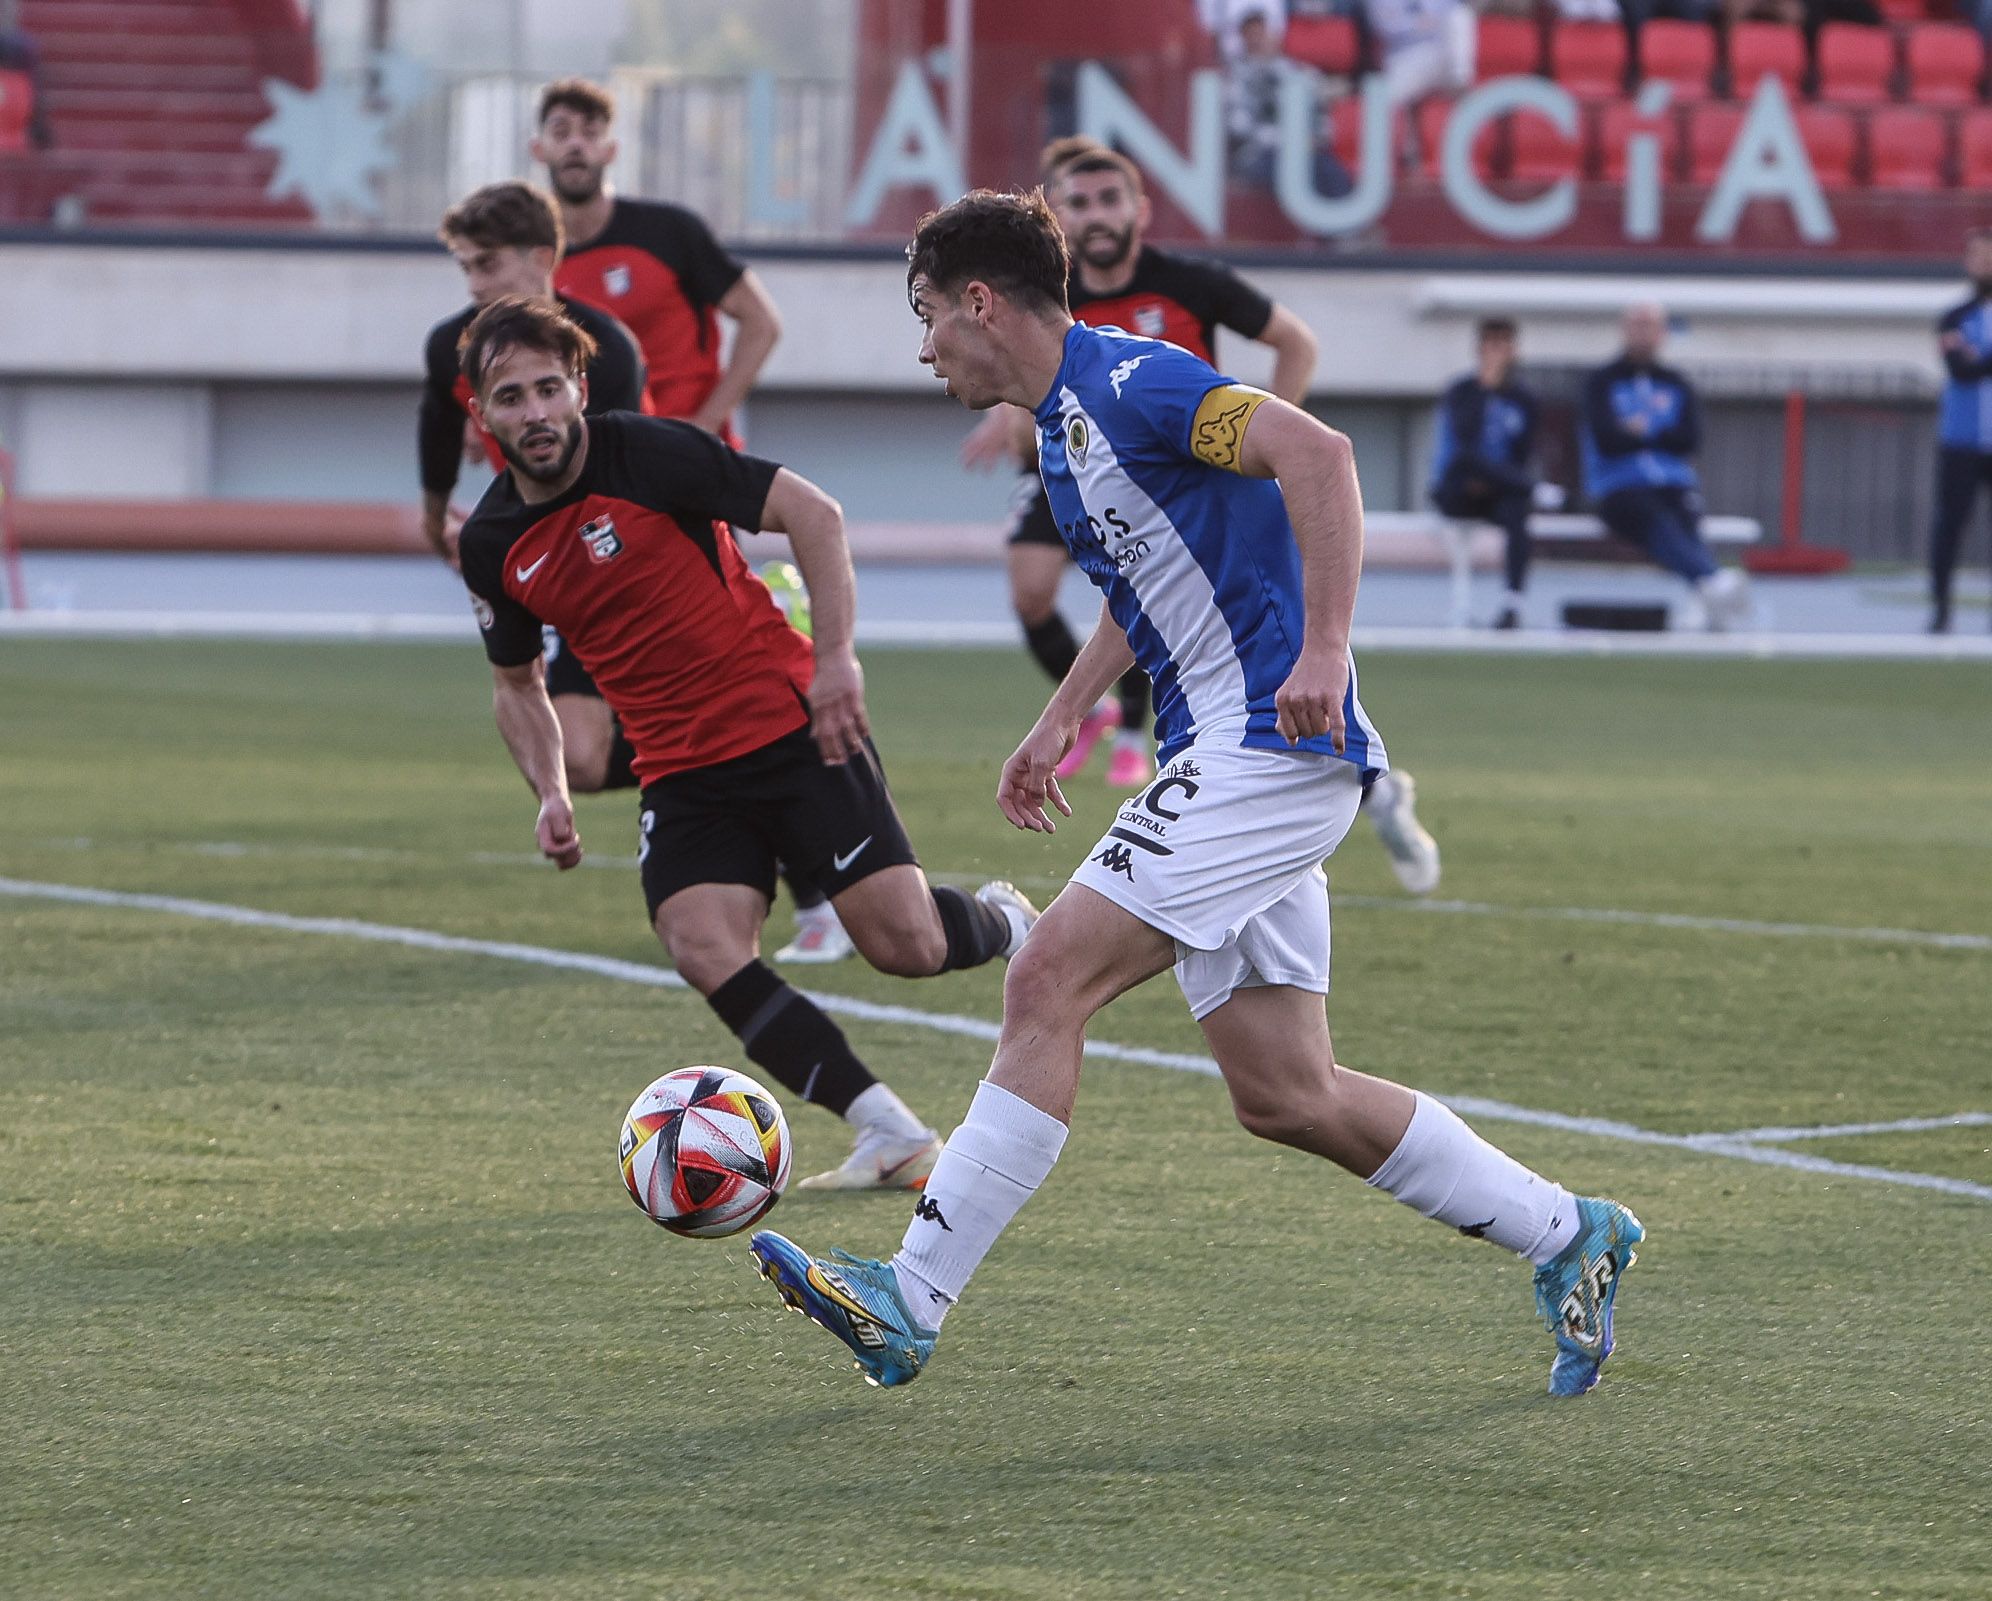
1235	593
751	741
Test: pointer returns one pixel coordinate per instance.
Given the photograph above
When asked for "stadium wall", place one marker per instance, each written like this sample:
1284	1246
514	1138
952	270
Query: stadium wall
166	374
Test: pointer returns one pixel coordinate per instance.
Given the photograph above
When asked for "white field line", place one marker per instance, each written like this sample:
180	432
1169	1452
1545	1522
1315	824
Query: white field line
620	862
1829	1131
1735	1146
452	628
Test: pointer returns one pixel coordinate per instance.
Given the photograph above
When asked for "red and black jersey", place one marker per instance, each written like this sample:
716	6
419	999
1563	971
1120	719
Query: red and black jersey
1176	298
635	567
659	269
615	383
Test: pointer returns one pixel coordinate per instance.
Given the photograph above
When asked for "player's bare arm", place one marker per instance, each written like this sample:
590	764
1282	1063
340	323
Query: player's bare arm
1005	436
1316	469
531	732
757	328
1294	353
814	523
441	523
1030	775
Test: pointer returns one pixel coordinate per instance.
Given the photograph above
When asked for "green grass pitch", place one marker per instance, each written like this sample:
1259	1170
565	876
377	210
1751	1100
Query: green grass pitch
316	1278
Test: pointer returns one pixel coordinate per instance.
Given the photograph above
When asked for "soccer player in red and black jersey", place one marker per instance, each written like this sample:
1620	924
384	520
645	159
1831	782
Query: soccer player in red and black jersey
752	743
1118	281
507	239
655	265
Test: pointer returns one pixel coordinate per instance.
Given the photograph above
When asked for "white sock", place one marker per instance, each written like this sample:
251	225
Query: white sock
992	1164
1444	1170
822	912
878	1107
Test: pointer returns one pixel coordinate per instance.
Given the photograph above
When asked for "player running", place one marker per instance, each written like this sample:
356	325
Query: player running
1225	528
750	742
1118	281
506	237
659	268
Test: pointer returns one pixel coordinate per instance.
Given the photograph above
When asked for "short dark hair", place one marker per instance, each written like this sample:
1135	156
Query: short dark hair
522	321
580	95
1077	153
1497	328
1011	242
509	213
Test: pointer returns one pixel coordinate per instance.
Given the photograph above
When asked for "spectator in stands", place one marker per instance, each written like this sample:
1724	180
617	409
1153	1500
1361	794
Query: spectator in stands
1427	46
1226	19
1252	82
1591	10
1964	424
1639	432
19	53
1481	459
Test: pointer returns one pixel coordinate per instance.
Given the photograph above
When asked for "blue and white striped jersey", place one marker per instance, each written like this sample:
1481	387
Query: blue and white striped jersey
1198	564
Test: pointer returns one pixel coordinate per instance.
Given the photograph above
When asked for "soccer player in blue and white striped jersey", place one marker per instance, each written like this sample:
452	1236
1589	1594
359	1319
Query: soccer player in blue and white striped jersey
1224	528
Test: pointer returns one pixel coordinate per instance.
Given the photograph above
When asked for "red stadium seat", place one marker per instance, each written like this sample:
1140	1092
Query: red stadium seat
1346	127
1541	152
1711	131
1433	114
1906	148
1616	122
1765	49
1974	150
1679	53
1509	47
1330	43
17	104
1946	60
1856	64
1900	11
1588	59
1831	139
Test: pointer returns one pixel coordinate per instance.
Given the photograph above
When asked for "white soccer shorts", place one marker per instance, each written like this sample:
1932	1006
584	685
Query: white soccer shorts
1223	853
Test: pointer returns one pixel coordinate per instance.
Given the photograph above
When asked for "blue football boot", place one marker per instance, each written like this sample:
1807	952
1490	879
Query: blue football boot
854	1298
1574	1292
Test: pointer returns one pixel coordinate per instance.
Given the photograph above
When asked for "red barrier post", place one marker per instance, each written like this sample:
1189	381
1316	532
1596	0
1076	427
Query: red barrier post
1791	554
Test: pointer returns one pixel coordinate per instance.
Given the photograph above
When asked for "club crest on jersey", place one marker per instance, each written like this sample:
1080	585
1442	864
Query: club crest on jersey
601	538
1078	440
1148	320
616	280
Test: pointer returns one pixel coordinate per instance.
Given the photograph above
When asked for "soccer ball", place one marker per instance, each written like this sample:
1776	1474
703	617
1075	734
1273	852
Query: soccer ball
705	1152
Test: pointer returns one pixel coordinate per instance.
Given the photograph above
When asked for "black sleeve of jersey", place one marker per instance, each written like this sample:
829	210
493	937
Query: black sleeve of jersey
703	265
1233	303
616	376
1961	364
512	635
439	421
677	468
1684	438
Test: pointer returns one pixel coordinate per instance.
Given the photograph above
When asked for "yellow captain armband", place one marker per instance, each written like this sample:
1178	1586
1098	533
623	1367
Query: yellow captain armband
1217	433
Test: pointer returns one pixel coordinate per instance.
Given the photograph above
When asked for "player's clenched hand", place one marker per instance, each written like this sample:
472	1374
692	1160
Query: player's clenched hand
1030	779
559	839
837	720
1309	703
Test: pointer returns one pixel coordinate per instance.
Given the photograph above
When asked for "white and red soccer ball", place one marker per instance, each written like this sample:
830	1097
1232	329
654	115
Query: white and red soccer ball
705	1152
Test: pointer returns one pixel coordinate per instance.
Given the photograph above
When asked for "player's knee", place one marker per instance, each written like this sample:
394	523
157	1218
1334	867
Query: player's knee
905	952
587	770
704	957
1039	986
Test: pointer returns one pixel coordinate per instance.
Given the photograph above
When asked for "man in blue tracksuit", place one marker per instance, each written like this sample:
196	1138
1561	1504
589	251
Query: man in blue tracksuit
1484	443
1964	424
1640	429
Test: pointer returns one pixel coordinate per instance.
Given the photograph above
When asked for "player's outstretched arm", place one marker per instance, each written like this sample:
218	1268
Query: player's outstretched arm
532	734
1316	469
1030	778
814	523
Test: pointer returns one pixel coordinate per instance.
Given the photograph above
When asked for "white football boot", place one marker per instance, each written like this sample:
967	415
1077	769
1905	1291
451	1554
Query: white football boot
1414	855
819	938
885	1158
1017	911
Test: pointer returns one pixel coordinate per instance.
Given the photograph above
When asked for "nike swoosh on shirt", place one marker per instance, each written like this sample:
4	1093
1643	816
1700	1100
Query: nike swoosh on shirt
523	573
841	862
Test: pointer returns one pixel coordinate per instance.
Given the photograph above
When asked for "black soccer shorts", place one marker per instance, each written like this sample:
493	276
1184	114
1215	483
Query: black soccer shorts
564	673
1031	521
733	821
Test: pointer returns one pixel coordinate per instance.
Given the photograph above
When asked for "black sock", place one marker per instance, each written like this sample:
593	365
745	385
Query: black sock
806	895
975	933
621	771
1133	687
790	1036
1051	642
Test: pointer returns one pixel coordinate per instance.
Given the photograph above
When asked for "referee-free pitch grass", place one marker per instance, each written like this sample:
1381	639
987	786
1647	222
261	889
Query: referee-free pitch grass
316	1277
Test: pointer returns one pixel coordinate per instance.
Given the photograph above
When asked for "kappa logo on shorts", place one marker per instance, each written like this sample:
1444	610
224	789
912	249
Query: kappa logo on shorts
601	538
1117	859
